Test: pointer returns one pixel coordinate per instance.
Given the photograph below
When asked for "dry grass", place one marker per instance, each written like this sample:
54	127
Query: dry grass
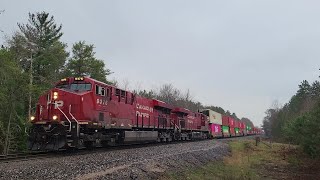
248	161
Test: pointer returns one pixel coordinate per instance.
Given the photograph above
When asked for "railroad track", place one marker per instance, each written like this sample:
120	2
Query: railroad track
42	155
24	156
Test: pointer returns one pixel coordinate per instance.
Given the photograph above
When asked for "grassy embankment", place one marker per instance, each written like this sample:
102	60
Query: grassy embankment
248	161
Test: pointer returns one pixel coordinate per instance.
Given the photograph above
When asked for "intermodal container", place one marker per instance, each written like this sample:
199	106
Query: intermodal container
254	130
231	122
241	125
225	131
241	128
225	120
215	130
236	124
237	130
228	121
232	132
244	128
215	118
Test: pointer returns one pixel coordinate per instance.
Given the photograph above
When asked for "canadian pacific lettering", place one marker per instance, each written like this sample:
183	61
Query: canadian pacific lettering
144	107
140	114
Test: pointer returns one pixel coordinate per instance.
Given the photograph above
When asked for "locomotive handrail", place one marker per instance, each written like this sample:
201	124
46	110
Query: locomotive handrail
176	126
72	115
74	119
66	117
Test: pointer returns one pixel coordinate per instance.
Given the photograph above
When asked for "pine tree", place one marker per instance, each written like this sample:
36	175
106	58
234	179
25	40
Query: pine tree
39	52
84	63
37	44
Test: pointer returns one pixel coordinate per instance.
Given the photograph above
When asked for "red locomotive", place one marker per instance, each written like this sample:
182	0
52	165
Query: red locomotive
83	112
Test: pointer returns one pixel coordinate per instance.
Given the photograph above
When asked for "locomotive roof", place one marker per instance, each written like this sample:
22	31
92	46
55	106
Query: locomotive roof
181	110
101	82
162	104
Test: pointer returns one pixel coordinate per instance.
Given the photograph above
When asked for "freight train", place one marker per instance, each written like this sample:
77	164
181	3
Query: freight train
81	112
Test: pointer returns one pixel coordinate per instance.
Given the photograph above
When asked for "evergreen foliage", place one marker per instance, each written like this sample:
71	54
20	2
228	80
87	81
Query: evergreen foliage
12	104
84	63
298	120
34	59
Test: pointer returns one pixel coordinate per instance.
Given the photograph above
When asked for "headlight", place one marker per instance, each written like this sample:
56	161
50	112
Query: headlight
55	95
32	118
54	117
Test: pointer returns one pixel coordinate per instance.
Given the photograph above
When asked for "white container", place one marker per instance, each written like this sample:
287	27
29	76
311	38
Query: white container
214	117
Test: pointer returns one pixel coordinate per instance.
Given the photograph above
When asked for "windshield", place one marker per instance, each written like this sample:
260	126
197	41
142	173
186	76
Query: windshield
75	86
80	87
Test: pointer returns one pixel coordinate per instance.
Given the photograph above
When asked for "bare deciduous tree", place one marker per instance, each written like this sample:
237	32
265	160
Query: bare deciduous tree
125	84
1	12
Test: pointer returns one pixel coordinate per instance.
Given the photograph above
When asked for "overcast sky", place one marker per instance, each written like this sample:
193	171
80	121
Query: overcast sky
240	55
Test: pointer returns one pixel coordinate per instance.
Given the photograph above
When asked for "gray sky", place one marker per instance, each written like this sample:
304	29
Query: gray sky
240	55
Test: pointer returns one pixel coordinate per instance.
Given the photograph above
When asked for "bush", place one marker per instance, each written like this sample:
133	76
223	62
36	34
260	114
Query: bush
305	131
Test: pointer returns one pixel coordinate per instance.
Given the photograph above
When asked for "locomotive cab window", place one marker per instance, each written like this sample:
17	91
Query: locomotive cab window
103	91
123	93
97	89
80	87
117	92
100	90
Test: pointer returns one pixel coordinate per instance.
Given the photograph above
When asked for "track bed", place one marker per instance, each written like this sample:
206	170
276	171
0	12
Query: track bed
144	162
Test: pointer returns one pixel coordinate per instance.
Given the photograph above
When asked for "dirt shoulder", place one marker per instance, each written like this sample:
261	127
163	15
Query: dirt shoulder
248	161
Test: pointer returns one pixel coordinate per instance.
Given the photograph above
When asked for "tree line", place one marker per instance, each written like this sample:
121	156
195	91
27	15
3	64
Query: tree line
171	95
35	57
297	121
31	61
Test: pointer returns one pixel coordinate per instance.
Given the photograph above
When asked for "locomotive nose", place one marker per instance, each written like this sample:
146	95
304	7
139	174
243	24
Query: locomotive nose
50	108
57	105
55	95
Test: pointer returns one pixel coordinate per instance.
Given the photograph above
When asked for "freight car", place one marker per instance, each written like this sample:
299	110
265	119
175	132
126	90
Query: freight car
82	112
225	126
215	122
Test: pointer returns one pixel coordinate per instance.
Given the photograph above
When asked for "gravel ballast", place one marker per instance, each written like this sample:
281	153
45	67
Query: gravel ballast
148	162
